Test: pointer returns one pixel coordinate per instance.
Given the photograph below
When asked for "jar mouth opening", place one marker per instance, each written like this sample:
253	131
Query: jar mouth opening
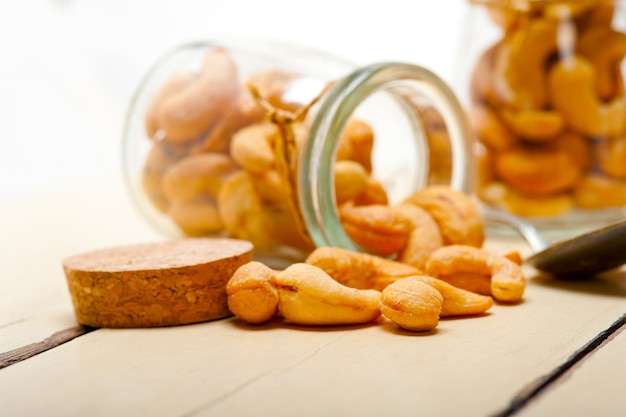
401	81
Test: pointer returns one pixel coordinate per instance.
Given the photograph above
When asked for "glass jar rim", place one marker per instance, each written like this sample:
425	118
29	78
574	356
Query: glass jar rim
320	215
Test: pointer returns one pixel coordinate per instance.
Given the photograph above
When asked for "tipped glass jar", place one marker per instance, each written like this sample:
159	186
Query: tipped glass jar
265	141
543	84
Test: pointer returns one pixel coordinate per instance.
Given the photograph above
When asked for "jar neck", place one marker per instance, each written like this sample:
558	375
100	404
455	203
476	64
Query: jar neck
403	82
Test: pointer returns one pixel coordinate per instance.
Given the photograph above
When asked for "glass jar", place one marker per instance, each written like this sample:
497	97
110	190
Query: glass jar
263	141
542	81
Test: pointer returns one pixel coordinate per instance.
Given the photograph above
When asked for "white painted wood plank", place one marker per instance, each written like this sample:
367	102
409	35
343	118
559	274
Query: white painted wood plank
593	388
467	367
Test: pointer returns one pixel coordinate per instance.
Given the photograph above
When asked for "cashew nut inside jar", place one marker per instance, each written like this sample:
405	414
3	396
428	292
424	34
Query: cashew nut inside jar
543	85
269	142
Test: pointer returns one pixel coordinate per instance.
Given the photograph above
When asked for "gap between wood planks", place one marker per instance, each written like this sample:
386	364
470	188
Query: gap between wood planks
535	388
519	401
20	354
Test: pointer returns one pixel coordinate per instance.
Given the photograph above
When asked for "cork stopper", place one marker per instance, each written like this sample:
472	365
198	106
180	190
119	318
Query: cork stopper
154	284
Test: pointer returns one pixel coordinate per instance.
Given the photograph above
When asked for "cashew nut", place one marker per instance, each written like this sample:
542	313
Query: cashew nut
160	157
377	229
196	218
596	191
359	270
308	295
611	154
356	143
251	147
252	295
350	180
520	65
242	211
538	206
243	111
537	172
411	304
455	213
505	278
424	237
189	111
605	59
490	129
170	87
456	301
534	125
576	146
197	176
572	90
373	193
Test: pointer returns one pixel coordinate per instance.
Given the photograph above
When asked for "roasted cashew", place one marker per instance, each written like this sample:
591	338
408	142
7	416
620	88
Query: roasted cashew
308	295
242	211
412	304
197	176
572	92
490	129
243	111
611	155
359	270
534	125
602	13
520	65
251	147
373	193
538	206
456	301
576	146
350	180
271	187
170	87
190	111
196	218
505	278
596	191
356	143
456	214
160	157
377	229
424	237
283	227
252	293
537	172
605	49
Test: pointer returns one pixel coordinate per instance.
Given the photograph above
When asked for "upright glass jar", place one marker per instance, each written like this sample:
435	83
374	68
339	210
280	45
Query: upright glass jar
542	81
264	141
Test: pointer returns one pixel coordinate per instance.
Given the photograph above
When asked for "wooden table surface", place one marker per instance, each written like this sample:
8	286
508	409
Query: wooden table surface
560	352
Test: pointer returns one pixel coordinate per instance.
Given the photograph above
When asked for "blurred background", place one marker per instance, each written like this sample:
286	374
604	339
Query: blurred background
70	67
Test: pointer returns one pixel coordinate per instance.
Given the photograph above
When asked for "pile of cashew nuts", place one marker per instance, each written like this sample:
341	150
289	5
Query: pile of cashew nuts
337	286
425	261
549	106
220	164
213	166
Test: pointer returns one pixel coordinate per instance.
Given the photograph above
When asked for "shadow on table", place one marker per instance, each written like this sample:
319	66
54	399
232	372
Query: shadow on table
610	283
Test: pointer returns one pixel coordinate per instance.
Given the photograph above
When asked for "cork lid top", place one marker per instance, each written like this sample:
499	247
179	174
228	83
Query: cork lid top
160	255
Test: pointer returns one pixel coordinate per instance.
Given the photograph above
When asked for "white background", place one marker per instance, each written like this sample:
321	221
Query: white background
69	67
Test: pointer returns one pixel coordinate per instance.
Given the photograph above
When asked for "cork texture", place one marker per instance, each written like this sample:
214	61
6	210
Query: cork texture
158	284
